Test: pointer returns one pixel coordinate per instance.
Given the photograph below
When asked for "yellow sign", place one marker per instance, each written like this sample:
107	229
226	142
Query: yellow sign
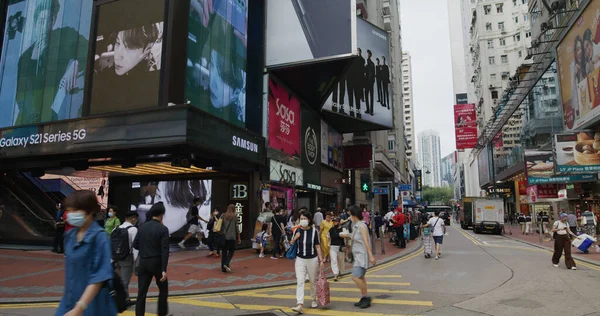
489	207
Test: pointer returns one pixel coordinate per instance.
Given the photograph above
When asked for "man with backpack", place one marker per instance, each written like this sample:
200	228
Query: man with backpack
123	253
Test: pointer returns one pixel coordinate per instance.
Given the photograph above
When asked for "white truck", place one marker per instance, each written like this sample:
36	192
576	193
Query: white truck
488	215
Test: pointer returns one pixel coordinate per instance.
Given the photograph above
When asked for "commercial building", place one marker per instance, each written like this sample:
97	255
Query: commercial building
407	100
430	158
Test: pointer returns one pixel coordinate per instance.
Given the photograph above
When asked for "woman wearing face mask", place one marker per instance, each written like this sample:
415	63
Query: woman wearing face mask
212	236
113	221
88	264
363	256
308	259
563	241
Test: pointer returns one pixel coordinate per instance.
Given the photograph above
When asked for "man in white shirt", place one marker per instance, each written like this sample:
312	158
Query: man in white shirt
127	266
438	230
388	220
318	218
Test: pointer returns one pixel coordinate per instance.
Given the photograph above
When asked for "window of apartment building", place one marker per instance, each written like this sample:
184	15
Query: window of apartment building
505	75
492	77
527	34
494	94
503	41
517	37
526	17
520	54
524	1
499	8
492	60
490	43
405	88
405	77
501	26
517	19
407	112
552	90
391	145
488	26
487	9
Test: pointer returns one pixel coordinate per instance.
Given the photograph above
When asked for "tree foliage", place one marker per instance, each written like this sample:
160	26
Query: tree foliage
439	196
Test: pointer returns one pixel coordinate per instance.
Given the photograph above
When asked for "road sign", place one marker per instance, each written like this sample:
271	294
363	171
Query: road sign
404	187
418	195
380	191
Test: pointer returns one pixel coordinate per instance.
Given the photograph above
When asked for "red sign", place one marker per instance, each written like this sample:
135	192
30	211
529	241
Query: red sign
357	157
542	191
465	126
284	120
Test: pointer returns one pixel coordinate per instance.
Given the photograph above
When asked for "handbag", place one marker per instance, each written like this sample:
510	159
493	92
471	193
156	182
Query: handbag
218	226
291	252
221	240
426	231
323	292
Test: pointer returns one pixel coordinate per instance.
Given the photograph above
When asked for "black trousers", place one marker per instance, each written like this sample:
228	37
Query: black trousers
149	268
59	239
277	245
379	90
400	241
369	96
355	91
386	94
342	92
213	245
228	251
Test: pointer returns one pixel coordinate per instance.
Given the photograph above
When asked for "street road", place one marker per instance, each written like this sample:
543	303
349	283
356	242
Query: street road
477	275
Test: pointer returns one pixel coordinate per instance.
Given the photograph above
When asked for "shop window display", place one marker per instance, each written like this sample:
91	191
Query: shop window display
43	61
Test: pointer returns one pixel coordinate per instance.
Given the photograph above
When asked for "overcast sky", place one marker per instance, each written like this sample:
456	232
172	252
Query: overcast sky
426	37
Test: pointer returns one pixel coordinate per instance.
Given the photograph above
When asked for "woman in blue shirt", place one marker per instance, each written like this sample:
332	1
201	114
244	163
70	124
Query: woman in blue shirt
88	265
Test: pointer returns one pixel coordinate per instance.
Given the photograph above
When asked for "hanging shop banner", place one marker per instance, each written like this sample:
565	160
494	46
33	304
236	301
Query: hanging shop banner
365	93
418	180
285	174
577	152
304	30
541	191
579	70
465	126
331	147
311	147
284	120
484	166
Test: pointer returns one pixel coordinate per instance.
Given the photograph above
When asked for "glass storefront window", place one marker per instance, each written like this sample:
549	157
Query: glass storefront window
43	60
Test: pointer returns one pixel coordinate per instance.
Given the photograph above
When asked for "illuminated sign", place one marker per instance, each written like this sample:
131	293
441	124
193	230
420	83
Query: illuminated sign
239	213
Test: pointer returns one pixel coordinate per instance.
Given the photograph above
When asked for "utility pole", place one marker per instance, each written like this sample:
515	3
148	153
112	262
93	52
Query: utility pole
371	195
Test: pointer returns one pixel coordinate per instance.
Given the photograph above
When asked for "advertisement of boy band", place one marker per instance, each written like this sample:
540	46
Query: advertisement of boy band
578	57
365	92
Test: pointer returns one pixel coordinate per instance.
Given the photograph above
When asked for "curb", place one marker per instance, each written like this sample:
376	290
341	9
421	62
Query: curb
227	289
578	257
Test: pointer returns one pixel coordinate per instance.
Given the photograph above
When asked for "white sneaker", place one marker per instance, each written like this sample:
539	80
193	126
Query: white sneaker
181	245
436	257
556	265
261	255
297	309
314	304
574	268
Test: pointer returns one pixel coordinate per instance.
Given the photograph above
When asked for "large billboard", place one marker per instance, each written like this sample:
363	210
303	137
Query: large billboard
365	92
539	169
311	147
128	53
302	30
216	58
577	152
465	126
484	164
284	120
43	60
331	147
579	69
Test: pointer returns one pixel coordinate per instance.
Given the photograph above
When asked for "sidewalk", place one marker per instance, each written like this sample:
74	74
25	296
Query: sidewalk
38	276
593	257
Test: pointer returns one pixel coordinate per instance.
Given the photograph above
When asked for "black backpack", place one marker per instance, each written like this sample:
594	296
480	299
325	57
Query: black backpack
120	243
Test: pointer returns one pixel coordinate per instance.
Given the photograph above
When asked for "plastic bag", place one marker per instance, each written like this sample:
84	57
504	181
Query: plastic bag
323	293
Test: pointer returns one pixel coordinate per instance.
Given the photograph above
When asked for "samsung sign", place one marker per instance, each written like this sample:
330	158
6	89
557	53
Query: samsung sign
245	144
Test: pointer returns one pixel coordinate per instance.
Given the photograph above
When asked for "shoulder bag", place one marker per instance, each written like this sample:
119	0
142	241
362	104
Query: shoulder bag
221	239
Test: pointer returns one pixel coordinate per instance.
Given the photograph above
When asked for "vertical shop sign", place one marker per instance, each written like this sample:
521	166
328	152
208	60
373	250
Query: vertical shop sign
284	120
311	128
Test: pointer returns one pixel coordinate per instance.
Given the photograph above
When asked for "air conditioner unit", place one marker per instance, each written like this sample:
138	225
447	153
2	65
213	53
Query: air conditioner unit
535	43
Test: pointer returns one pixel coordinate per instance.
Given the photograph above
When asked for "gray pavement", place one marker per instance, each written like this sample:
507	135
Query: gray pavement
476	275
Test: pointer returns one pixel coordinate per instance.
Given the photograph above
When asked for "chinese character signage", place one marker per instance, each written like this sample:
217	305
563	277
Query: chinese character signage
284	120
465	126
418	180
577	152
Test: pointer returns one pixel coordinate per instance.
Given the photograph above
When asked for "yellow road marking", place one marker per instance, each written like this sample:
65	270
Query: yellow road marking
384	276
344	289
28	305
587	265
468	236
219	305
344	299
380	283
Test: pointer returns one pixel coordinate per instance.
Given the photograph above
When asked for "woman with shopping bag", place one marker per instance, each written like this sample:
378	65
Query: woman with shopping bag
308	260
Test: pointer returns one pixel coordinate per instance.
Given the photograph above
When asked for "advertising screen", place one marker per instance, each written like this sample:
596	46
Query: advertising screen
302	30
577	152
284	120
484	165
365	93
43	60
127	56
578	56
177	196
216	58
331	147
465	126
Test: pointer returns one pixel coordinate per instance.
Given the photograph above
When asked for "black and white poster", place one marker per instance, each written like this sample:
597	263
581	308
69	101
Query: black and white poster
311	146
127	56
365	92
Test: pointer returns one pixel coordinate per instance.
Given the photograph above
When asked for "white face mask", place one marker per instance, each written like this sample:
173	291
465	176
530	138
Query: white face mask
304	222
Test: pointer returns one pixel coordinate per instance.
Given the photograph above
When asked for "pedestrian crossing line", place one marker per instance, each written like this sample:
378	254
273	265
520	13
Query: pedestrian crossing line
253	307
28	305
378	276
344	289
344	299
380	283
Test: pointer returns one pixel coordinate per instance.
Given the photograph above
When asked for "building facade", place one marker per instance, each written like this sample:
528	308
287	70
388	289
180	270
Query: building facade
430	158
408	108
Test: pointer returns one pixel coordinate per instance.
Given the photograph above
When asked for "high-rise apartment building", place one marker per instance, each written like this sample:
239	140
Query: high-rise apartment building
446	170
407	100
430	158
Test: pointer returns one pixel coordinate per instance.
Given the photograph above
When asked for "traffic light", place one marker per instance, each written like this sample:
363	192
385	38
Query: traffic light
365	182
